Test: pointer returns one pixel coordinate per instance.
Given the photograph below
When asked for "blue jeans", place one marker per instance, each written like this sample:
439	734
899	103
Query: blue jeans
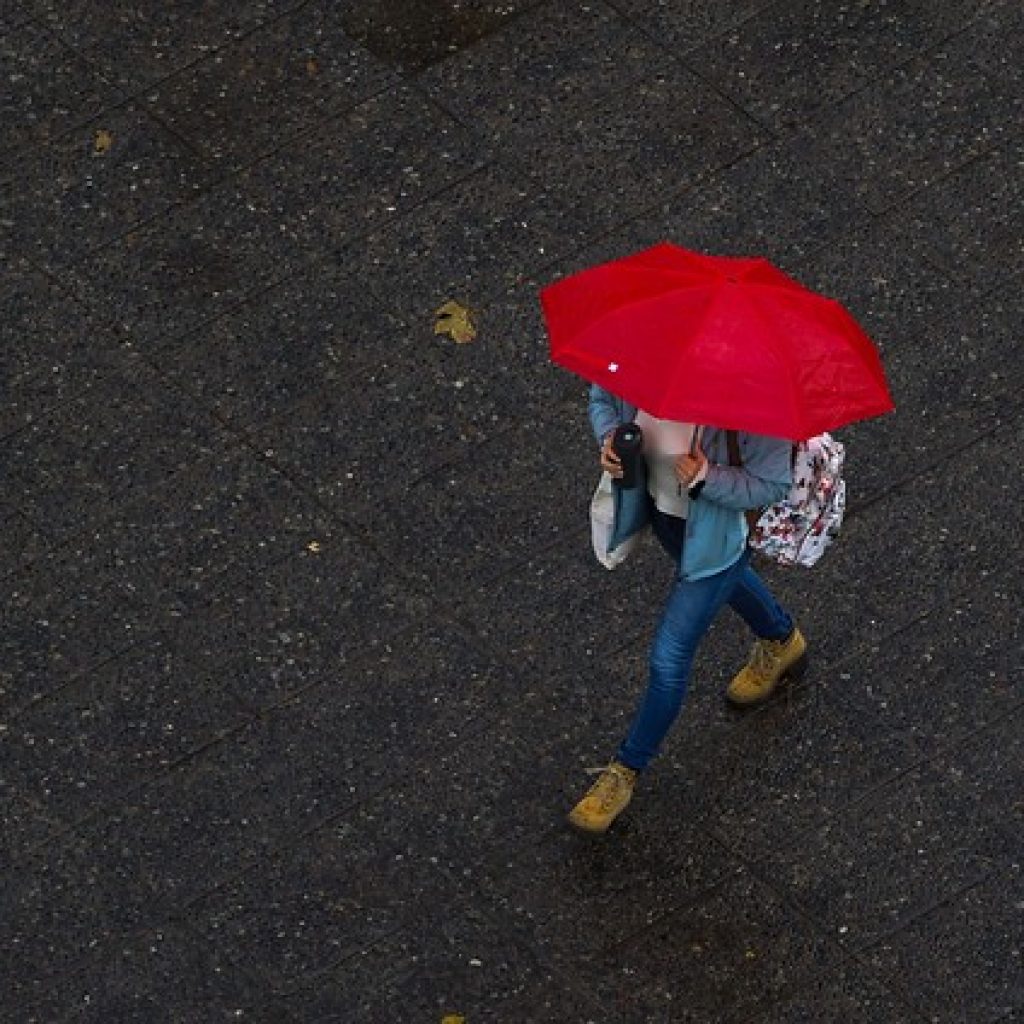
691	607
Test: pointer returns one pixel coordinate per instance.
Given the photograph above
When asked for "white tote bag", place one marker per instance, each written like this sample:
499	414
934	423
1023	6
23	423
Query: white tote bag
602	522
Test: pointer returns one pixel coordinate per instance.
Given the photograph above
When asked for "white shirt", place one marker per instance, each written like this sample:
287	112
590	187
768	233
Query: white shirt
664	442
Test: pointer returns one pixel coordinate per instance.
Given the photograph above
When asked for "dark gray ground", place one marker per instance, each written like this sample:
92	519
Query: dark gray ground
304	651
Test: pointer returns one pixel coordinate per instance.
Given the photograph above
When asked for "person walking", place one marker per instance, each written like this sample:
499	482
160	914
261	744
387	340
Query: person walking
699	484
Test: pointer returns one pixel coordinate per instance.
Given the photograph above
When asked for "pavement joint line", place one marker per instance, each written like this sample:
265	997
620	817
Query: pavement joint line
76	825
993	870
233	172
250	862
210	51
121	503
233	176
301	985
506	924
107	657
795	907
782	896
1006	423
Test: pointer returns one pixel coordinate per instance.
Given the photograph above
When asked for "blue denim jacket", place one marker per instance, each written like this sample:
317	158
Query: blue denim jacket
716	529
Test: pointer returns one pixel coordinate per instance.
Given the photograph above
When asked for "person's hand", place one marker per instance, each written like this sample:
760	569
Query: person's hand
610	462
689	467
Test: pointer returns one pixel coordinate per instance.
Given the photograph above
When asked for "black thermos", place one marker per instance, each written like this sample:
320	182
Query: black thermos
626	443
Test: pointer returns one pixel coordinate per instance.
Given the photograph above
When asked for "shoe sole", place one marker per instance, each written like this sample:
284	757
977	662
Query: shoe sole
590	833
583	830
794	673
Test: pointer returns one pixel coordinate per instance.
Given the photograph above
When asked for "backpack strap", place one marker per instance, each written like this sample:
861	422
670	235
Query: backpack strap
733	441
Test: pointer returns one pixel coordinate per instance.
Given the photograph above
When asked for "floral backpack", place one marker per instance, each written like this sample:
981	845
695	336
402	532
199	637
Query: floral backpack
796	530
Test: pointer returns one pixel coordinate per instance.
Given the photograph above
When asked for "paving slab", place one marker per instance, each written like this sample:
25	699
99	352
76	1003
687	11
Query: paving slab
50	87
137	47
569	79
599	613
484	234
685	26
23	541
318	331
123	435
562	108
296	916
994	38
280	217
462	473
973	947
253	789
812	755
939	112
95	183
116	728
186	266
45	643
916	561
161	556
26	822
847	993
961	657
969	224
892	857
13	13
775	202
514	84
58	909
553	887
944	349
333	626
139	978
361	171
419	33
282	80
473	501
791	58
726	956
451	960
51	349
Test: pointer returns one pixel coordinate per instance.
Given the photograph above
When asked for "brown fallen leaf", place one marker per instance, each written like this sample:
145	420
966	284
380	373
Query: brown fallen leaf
103	141
455	320
312	67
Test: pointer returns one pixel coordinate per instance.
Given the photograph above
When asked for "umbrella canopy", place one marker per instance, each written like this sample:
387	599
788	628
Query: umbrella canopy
722	341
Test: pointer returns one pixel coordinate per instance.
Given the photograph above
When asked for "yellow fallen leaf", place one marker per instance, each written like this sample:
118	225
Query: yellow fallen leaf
103	141
453	1018
455	320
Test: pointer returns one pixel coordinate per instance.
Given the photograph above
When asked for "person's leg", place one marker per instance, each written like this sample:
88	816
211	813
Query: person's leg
691	607
779	651
758	607
688	613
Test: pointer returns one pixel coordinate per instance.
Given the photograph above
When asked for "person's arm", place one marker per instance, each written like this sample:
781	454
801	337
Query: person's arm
764	478
605	412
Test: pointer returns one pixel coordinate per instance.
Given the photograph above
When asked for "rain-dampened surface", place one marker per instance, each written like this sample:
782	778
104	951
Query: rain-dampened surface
304	652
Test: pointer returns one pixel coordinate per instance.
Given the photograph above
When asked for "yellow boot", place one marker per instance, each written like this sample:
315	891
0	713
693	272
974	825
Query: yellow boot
770	662
605	800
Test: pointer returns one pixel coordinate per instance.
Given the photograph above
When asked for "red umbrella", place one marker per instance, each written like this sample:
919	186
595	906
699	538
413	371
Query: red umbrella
721	341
